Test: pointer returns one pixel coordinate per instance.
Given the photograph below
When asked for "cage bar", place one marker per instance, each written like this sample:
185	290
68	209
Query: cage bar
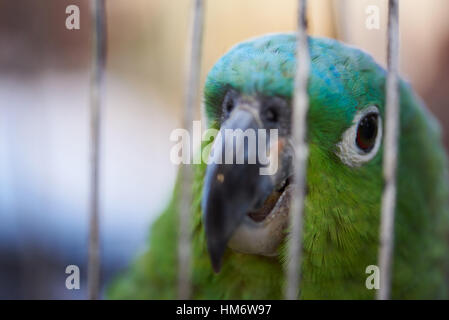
191	98
390	157
299	129
98	23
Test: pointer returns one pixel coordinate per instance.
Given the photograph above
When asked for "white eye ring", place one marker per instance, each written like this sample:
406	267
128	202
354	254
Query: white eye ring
347	149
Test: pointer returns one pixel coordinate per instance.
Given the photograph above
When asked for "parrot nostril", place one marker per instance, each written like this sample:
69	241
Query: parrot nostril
271	114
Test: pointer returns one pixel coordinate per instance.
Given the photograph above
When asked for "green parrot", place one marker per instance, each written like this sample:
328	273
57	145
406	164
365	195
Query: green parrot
240	217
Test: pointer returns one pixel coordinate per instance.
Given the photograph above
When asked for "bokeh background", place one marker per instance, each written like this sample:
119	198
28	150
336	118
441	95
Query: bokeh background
44	118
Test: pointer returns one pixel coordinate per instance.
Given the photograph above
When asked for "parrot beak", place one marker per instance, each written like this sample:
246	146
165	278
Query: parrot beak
232	190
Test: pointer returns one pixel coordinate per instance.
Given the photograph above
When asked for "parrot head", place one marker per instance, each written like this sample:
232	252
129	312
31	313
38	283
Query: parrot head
251	88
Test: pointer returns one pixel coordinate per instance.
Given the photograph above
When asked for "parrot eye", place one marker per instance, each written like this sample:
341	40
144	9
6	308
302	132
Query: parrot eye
361	141
367	132
229	102
229	105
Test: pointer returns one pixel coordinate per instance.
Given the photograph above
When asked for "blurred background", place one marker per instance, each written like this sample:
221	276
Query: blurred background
44	115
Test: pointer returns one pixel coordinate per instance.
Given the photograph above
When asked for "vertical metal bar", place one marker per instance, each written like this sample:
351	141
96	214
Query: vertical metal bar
300	107
191	97
98	44
390	156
